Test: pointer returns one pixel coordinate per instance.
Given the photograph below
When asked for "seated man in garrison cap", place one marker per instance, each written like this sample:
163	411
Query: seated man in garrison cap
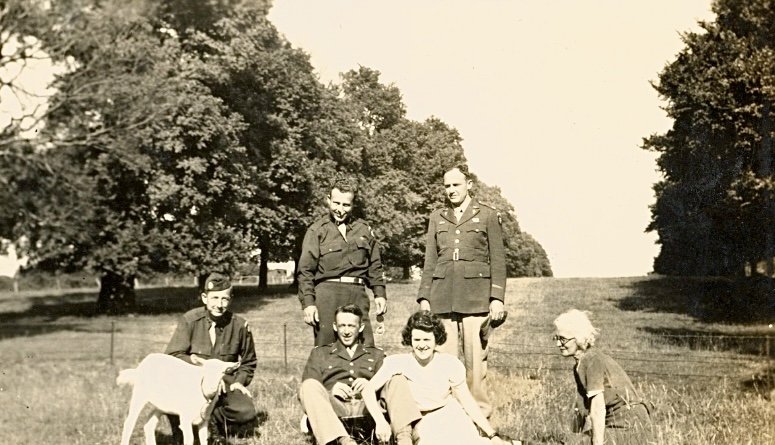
213	331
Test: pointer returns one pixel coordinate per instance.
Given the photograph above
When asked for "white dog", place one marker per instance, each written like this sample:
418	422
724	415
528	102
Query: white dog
173	386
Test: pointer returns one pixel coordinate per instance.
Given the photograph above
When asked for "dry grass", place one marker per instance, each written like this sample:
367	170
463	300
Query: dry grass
58	385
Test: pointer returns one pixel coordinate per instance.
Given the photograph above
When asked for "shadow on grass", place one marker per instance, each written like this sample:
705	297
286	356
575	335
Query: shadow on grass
708	300
709	340
36	315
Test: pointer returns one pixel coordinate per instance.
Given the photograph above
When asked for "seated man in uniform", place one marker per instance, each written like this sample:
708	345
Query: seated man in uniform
213	331
335	375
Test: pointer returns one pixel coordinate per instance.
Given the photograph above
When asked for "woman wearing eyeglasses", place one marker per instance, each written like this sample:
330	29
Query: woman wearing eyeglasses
614	412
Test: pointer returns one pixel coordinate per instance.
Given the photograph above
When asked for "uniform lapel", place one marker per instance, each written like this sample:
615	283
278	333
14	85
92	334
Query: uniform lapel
470	212
449	215
359	351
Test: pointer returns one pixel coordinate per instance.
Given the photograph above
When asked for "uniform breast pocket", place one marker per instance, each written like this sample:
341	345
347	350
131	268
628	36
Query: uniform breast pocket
330	257
359	252
477	236
230	353
442	235
329	248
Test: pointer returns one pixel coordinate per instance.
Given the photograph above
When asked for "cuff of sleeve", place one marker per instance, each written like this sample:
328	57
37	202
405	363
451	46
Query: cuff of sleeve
243	379
497	297
307	300
379	292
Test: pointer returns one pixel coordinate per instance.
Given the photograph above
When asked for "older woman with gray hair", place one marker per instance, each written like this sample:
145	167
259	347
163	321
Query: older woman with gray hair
614	413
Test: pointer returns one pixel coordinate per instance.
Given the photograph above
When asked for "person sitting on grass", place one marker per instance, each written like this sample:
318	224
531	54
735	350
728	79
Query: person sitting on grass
336	374
213	331
437	381
612	410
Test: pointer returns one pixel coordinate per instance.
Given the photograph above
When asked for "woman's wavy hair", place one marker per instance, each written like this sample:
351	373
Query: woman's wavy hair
424	321
578	323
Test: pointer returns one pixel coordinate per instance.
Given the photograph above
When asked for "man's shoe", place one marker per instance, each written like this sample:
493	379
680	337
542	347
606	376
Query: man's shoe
346	440
217	439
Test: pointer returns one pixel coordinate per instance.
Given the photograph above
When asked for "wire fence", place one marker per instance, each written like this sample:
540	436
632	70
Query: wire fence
287	344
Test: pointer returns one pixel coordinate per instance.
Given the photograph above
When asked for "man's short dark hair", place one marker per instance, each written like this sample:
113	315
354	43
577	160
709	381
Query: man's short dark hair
425	321
349	309
462	167
344	185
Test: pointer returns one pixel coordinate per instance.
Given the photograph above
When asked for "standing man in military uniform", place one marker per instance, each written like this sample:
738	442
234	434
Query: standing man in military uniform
339	259
464	276
335	375
213	331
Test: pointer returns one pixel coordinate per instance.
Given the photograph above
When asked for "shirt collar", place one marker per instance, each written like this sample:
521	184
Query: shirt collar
463	205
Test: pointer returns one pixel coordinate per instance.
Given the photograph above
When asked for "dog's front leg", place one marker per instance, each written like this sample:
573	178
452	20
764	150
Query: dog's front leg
203	432
185	428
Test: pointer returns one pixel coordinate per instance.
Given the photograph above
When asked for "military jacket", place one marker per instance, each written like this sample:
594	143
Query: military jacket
331	363
325	253
465	262
233	342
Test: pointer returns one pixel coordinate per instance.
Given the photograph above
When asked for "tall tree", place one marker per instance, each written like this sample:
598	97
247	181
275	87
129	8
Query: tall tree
403	163
160	175
714	209
297	132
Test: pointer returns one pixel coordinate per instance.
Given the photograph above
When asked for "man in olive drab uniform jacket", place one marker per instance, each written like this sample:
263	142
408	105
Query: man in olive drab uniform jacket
339	258
464	276
213	331
334	377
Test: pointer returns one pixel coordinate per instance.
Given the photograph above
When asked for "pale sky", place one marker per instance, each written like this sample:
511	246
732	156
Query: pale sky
552	99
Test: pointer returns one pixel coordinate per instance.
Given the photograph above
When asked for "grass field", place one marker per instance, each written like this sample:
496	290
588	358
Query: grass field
700	361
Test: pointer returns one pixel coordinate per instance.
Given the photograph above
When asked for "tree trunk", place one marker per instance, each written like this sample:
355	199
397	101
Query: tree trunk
406	273
117	294
200	281
263	268
765	172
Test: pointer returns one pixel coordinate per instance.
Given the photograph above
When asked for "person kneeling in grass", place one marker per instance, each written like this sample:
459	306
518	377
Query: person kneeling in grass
612	410
437	382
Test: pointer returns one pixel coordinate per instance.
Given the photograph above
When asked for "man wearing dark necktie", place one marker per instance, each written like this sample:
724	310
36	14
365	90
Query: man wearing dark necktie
340	257
213	331
464	276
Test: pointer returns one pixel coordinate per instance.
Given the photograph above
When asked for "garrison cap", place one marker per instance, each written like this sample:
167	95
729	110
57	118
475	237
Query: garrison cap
216	282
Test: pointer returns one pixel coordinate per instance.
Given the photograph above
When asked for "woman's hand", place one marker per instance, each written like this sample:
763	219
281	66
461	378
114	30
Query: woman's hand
383	430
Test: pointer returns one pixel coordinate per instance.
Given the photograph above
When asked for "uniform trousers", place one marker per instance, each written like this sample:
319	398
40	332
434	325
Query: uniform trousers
329	295
324	410
466	327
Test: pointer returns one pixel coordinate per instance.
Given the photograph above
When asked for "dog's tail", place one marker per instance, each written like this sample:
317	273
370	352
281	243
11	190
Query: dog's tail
126	377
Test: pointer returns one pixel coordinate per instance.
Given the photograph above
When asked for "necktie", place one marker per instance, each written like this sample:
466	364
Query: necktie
212	333
458	213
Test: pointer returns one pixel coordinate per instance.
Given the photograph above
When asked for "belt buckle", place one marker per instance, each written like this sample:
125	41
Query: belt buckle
456	255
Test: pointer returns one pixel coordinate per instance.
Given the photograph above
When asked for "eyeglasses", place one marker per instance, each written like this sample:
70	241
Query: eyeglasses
564	341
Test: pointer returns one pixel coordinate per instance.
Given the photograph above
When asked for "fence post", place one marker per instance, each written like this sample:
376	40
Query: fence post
285	346
770	364
112	338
